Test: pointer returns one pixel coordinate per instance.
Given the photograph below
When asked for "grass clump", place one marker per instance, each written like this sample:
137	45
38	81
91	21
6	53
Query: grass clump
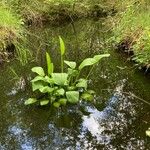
10	26
12	37
38	12
132	32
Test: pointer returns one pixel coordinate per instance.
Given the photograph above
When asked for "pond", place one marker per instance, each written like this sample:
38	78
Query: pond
114	120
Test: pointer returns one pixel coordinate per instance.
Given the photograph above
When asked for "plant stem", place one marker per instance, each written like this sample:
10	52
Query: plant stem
90	72
62	63
77	76
132	95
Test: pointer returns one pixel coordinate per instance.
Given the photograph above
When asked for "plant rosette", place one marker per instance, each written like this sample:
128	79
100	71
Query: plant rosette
58	89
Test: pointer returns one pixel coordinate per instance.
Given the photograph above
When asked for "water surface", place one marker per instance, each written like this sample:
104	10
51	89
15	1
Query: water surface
114	120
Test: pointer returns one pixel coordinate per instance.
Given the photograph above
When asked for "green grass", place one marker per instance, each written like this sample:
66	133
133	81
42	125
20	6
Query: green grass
38	11
10	20
133	26
10	25
15	14
12	32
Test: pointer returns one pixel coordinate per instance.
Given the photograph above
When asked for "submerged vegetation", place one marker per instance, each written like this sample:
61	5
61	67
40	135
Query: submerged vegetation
61	88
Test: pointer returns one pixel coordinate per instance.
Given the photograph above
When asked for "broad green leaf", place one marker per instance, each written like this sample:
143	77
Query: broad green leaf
46	89
38	70
71	88
49	80
62	46
72	72
37	85
55	87
38	78
87	62
82	83
52	99
99	57
63	101
91	92
148	132
56	104
44	102
45	79
60	92
92	61
71	64
30	101
60	78
87	96
72	96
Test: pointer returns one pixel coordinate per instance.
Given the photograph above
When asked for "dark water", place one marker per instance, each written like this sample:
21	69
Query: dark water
115	120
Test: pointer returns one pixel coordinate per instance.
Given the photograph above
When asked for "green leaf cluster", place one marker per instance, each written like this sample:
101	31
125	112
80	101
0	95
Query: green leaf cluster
58	89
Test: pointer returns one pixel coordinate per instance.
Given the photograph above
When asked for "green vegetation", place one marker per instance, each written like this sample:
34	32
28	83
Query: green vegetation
130	24
40	11
16	15
10	29
132	32
60	88
29	28
12	37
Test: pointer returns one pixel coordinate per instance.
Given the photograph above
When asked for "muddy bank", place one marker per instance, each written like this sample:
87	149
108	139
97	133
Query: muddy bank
63	15
126	46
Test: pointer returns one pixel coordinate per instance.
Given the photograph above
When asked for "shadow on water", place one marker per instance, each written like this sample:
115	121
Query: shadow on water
114	120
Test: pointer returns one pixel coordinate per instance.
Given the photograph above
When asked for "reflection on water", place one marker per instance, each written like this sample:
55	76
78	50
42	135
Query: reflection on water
103	125
21	136
19	85
114	121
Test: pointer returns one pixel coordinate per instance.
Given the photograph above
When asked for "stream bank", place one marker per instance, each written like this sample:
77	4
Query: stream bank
16	17
131	33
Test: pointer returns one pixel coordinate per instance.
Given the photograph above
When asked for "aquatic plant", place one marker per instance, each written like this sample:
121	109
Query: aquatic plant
64	87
